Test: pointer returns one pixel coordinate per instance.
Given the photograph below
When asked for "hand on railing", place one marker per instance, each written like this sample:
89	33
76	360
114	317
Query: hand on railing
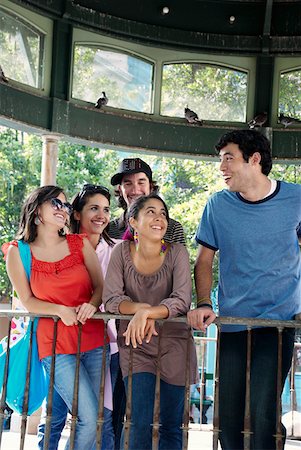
67	314
200	318
150	330
136	329
85	312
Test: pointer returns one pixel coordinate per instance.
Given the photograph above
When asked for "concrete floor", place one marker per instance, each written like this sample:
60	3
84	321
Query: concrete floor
198	440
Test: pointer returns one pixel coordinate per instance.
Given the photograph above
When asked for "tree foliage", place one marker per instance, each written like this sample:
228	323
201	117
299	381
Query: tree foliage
215	93
290	94
185	184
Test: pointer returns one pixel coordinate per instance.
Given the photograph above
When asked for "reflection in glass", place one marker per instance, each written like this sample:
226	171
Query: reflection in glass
215	93
21	50
290	94
126	80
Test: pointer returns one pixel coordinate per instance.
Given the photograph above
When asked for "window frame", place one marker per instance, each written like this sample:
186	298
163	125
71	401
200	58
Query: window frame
217	65
159	56
39	24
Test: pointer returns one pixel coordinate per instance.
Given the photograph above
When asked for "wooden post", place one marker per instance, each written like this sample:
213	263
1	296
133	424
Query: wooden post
49	159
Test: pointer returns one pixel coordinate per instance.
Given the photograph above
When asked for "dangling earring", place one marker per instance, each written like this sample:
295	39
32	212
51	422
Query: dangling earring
163	247
37	220
136	240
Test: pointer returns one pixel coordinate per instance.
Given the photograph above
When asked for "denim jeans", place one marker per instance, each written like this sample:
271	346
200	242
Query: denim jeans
58	420
171	413
119	399
89	385
263	386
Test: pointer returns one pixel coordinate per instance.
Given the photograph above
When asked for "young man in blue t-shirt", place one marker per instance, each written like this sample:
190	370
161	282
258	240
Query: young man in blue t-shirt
255	226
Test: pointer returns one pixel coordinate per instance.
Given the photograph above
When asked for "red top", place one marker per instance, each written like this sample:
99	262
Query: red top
65	282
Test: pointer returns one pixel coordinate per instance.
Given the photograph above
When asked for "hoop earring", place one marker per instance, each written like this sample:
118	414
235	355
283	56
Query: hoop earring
136	240
163	247
37	220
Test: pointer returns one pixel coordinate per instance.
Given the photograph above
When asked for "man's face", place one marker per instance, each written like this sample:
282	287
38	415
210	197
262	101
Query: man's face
134	186
236	171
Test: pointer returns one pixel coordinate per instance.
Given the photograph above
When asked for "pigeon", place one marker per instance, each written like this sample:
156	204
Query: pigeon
102	101
258	121
192	117
2	76
287	120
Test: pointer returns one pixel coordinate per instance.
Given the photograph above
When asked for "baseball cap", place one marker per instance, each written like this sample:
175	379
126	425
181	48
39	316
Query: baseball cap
129	166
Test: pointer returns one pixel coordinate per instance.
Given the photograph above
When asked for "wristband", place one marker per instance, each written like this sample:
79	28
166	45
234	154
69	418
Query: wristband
203	305
204	301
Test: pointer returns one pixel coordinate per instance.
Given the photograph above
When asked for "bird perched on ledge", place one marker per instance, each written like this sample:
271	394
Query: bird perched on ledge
102	101
192	117
287	120
258	121
2	76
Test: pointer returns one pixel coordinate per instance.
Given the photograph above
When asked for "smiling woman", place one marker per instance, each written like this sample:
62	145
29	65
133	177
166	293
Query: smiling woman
151	280
65	282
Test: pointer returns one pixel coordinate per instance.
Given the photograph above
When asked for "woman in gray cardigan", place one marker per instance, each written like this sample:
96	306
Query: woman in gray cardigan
150	280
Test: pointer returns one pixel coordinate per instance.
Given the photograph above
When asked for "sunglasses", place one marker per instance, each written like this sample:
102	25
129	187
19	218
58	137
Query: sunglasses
57	205
94	189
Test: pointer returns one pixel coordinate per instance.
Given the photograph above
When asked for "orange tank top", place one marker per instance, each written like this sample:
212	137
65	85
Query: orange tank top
65	282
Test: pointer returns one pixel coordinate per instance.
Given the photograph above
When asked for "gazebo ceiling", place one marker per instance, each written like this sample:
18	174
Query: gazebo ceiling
231	17
261	29
243	26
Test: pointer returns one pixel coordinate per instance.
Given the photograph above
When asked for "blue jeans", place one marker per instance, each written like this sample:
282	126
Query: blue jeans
114	368
233	357
119	399
89	385
171	413
58	420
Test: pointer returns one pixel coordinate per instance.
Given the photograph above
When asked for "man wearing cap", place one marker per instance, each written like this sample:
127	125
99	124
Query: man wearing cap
134	179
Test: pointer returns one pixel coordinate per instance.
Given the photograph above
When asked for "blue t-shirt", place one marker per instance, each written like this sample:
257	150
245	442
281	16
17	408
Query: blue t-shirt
259	255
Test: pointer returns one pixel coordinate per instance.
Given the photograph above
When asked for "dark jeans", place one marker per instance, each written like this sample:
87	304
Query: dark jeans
119	405
171	413
233	357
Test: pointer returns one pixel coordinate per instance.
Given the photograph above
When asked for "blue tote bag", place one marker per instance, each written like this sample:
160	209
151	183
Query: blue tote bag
18	360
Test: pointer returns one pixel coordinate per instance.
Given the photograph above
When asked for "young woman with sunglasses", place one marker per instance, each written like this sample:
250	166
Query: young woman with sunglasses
90	216
150	279
65	281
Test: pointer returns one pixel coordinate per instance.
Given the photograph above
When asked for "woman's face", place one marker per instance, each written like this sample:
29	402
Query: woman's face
95	215
151	221
55	211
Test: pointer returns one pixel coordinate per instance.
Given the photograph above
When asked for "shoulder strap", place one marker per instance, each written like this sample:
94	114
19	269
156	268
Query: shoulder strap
25	256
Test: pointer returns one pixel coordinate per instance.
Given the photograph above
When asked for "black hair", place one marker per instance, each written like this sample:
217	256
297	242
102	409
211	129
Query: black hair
140	202
80	200
249	142
27	227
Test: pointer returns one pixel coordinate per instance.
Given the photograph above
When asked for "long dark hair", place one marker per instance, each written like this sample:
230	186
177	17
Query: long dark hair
136	207
80	200
27	227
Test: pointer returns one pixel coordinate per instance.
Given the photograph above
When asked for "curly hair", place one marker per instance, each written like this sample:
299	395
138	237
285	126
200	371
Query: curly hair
249	142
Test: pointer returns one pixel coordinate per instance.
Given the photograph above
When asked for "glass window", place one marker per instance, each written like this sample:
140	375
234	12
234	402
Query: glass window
126	80
21	50
290	94
213	92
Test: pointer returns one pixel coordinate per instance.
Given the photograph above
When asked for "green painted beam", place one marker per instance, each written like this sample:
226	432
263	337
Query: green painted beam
23	106
216	41
123	130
